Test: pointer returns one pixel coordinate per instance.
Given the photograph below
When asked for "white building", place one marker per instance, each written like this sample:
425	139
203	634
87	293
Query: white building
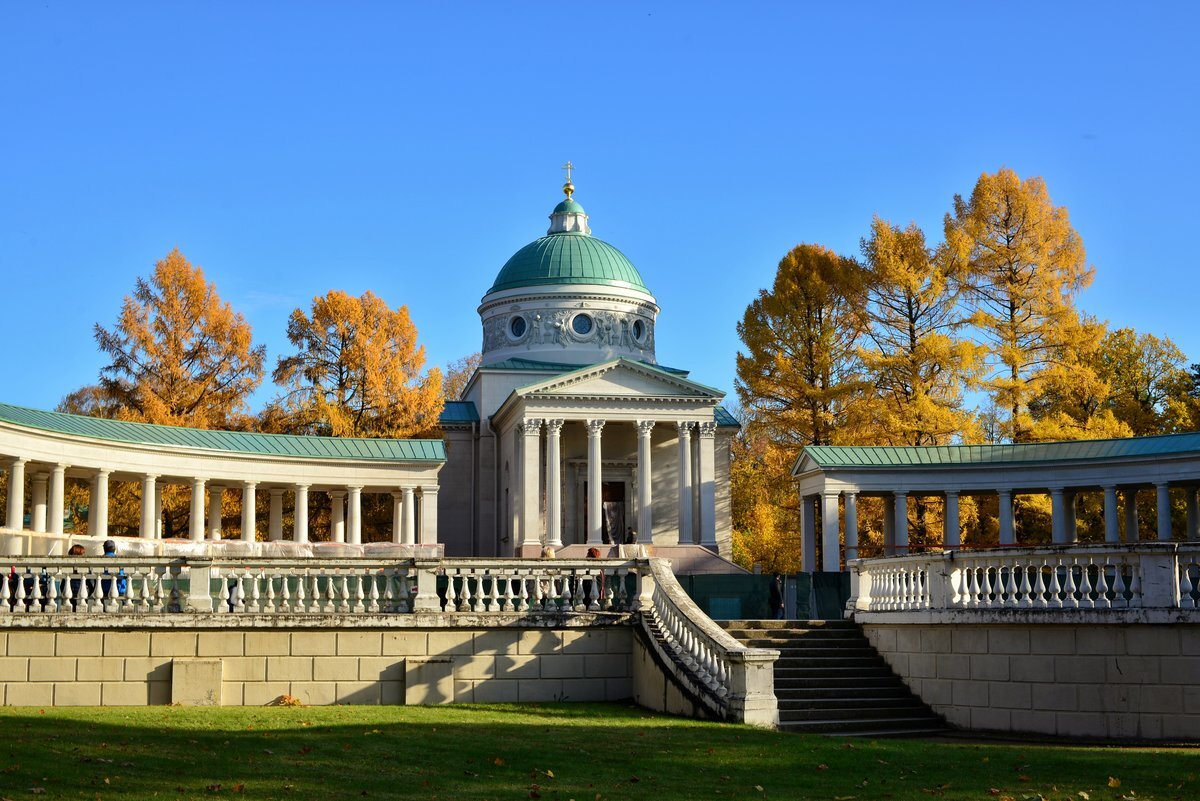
571	433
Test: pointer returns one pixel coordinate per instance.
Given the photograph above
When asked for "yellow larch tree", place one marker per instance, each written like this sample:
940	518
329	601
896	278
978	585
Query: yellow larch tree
356	372
179	356
914	351
1025	264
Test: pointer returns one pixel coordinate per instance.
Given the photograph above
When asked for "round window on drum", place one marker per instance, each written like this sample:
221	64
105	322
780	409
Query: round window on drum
517	327
582	325
639	331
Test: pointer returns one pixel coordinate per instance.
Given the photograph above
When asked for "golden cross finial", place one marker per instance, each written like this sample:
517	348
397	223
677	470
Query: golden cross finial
568	187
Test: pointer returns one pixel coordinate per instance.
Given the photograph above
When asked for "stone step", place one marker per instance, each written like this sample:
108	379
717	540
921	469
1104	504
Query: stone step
799	639
808	704
787	624
810	652
855	692
868	727
835	672
861	712
836	682
834	662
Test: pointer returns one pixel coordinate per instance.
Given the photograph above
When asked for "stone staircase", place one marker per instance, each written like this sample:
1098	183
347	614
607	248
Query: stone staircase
829	680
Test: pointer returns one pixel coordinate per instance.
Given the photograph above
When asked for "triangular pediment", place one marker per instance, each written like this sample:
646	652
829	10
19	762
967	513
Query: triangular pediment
619	378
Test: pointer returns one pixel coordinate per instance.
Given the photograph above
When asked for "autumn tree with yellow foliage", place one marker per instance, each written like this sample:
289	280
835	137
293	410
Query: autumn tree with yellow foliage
356	372
1025	264
919	362
179	356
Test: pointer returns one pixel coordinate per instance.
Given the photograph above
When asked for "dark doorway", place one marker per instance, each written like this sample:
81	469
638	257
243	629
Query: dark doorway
612	497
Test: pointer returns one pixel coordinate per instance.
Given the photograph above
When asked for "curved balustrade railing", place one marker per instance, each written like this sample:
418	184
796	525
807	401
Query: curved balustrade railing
732	680
151	584
1104	577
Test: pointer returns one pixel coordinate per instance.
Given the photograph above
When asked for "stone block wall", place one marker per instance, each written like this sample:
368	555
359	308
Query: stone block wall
1122	681
253	666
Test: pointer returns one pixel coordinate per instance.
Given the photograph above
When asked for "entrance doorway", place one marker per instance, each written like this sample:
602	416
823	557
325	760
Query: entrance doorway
612	518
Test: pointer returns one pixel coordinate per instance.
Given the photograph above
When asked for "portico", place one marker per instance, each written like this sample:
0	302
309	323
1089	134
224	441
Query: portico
607	448
832	479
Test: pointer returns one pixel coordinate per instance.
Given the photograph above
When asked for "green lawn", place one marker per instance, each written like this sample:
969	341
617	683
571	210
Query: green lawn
584	752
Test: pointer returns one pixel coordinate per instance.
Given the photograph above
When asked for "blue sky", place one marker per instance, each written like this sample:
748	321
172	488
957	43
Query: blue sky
292	148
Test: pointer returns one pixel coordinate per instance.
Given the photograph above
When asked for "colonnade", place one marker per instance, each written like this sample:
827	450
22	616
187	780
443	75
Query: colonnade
697	487
822	509
414	517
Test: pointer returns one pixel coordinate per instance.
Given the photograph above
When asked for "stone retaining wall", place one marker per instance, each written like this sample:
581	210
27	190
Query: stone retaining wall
250	666
1123	681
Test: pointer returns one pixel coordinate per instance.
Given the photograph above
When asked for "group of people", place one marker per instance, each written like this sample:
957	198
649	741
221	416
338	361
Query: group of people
69	588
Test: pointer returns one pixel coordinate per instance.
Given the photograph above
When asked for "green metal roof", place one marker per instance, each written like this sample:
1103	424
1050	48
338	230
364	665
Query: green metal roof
885	456
568	207
724	418
459	412
569	257
396	450
562	367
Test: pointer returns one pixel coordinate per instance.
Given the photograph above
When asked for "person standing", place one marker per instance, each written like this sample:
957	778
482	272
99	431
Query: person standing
776	597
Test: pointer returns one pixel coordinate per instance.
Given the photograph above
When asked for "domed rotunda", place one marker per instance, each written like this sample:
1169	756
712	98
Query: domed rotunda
570	435
568	298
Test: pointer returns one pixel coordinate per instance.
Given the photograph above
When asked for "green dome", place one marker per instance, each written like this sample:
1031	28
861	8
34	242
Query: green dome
568	257
568	206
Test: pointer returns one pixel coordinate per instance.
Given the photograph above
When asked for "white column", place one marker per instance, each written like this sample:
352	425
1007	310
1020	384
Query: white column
429	514
901	499
354	515
300	516
851	510
1072	499
1193	515
410	516
57	491
595	497
553	484
808	535
687	534
196	517
16	494
216	509
531	473
1007	535
951	524
37	483
706	478
830	531
1131	516
644	483
889	525
149	490
1058	516
275	520
1163	507
158	515
98	505
249	523
398	517
1112	528
337	515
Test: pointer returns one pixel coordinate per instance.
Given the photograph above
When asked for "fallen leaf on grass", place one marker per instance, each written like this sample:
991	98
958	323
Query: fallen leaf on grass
822	766
1113	781
37	790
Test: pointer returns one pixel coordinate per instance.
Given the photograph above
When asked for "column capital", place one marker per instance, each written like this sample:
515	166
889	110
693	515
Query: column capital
1162	484
850	493
1056	490
708	429
429	489
250	485
830	493
530	426
354	487
301	486
337	493
59	468
275	491
150	477
644	427
554	427
594	427
407	490
197	481
684	427
104	471
16	460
